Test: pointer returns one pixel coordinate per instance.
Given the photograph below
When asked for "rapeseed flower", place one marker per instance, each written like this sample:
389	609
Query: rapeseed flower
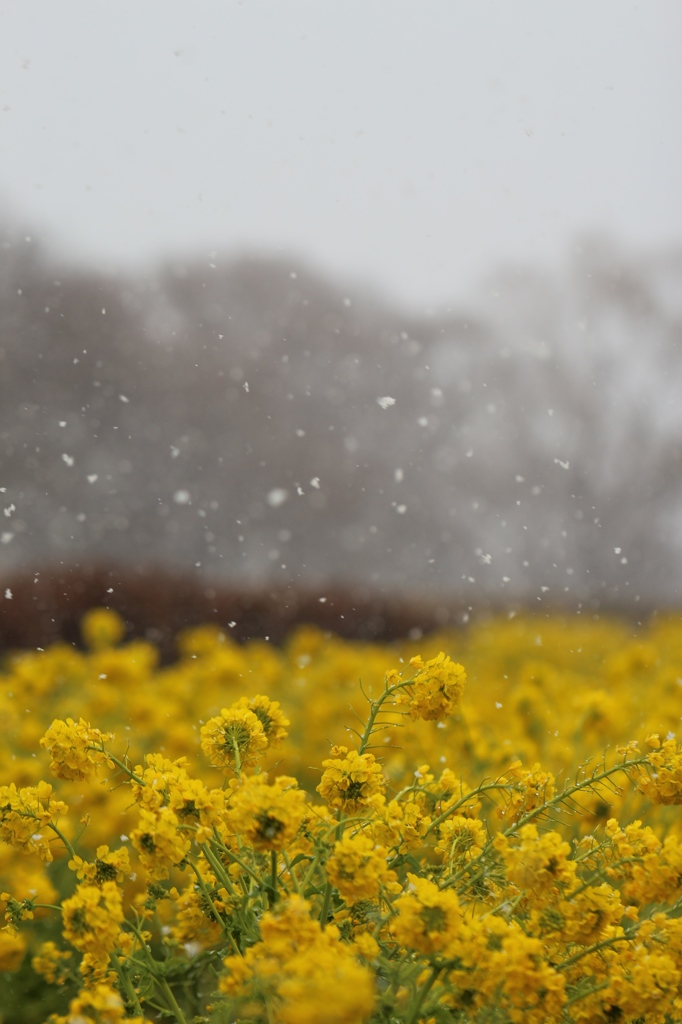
102	628
663	783
351	781
76	749
234	739
298	973
99	1004
93	917
436	689
460	839
267	815
394	892
429	920
26	817
160	842
358	868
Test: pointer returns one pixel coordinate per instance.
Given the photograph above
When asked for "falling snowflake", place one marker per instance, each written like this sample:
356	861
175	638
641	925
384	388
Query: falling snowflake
277	496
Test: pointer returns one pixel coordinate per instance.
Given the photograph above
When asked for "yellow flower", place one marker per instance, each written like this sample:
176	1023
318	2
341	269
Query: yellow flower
358	868
101	628
109	866
197	807
12	950
267	816
269	714
518	976
646	869
52	963
351	781
25	814
159	841
92	919
436	689
531	789
298	974
159	778
663	784
429	920
460	839
76	749
401	826
234	739
582	917
539	862
100	1004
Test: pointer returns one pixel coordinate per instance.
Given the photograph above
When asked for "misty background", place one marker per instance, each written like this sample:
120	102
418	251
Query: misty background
381	294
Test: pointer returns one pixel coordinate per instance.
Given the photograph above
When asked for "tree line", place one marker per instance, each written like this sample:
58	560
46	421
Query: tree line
251	421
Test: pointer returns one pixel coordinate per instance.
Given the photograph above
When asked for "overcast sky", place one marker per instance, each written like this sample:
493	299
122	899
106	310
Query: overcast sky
410	143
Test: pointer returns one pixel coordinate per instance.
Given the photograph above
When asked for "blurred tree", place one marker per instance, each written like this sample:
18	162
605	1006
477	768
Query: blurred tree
229	417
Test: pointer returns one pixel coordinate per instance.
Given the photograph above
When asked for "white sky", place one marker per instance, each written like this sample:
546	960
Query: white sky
411	143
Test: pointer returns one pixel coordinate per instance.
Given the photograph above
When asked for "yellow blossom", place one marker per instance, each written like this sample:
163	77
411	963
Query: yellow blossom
99	1004
460	839
537	861
270	715
25	816
101	628
12	950
159	841
234	739
662	784
92	918
52	963
358	868
429	920
76	749
109	866
267	815
351	781
436	689
298	973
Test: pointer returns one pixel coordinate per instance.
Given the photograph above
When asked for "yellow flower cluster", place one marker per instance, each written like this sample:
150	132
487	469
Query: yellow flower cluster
358	868
200	857
29	816
75	748
351	781
299	973
267	815
436	689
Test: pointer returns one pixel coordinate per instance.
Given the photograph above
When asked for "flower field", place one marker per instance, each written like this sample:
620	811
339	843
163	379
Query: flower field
478	826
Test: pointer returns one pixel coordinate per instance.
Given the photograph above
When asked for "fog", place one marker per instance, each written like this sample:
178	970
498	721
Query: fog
374	294
256	421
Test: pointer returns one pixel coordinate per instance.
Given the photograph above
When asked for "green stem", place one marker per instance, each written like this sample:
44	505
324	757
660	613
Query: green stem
126	984
171	1000
324	913
120	764
585	993
421	996
466	799
237	759
58	832
375	708
209	899
292	876
219	869
604	944
159	980
272	895
623	766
